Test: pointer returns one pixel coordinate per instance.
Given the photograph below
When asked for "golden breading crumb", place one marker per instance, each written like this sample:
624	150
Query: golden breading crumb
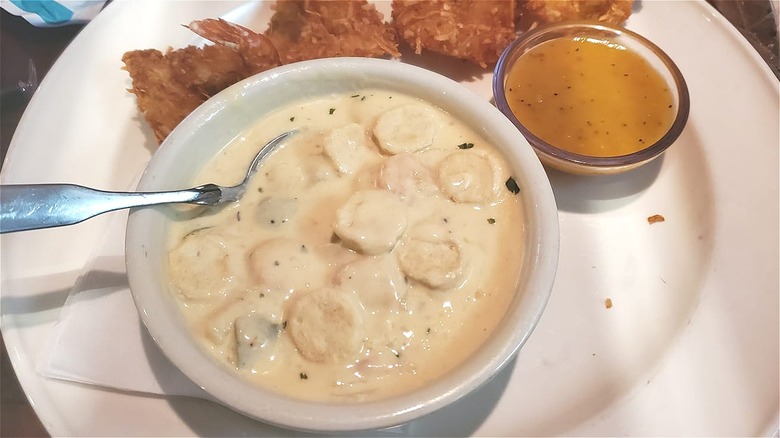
608	303
655	218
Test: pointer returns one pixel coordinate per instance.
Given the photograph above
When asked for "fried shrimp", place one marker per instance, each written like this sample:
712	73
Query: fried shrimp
475	30
536	12
308	29
168	86
161	98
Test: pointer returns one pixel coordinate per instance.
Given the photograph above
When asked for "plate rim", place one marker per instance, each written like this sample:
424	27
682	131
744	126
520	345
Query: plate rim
58	425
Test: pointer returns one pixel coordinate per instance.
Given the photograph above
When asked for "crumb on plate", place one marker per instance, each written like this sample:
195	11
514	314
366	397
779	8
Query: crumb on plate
655	218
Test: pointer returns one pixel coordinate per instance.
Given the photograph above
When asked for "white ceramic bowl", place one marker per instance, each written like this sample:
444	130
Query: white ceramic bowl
198	138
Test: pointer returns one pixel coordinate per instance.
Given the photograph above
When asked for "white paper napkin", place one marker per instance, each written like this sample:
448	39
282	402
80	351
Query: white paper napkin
100	339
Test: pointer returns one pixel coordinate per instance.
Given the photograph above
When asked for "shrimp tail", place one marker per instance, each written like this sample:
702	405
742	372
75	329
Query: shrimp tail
256	49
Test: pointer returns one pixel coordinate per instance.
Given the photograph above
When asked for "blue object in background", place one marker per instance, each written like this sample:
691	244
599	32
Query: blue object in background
48	13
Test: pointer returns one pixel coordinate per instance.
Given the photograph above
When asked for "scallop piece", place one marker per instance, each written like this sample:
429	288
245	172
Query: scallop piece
285	264
438	264
409	128
405	175
255	338
199	267
326	325
371	221
376	281
348	148
467	177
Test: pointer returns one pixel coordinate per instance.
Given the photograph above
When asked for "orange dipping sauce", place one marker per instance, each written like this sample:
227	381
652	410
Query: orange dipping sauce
590	96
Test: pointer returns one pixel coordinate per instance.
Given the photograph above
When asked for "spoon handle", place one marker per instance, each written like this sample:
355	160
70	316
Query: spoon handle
29	207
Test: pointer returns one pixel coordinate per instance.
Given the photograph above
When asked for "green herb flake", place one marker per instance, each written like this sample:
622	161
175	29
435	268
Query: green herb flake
363	98
354	96
511	184
491	221
331	111
292	119
303	376
466	145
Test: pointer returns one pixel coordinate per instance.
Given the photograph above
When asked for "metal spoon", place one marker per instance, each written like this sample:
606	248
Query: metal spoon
34	206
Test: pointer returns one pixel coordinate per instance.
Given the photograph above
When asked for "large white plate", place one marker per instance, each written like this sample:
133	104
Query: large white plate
690	346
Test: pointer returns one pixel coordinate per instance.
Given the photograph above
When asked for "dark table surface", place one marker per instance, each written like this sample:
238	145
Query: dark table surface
21	43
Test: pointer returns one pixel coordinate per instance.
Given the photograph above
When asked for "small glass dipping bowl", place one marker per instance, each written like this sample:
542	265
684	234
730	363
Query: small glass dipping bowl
565	160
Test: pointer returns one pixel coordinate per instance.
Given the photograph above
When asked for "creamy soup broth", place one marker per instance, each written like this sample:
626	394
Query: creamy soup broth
371	254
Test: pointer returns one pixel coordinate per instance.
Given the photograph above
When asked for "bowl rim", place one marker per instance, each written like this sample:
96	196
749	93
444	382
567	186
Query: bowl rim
505	63
233	391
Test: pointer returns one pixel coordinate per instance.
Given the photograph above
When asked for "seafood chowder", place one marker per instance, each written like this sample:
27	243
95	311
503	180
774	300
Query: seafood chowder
372	253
